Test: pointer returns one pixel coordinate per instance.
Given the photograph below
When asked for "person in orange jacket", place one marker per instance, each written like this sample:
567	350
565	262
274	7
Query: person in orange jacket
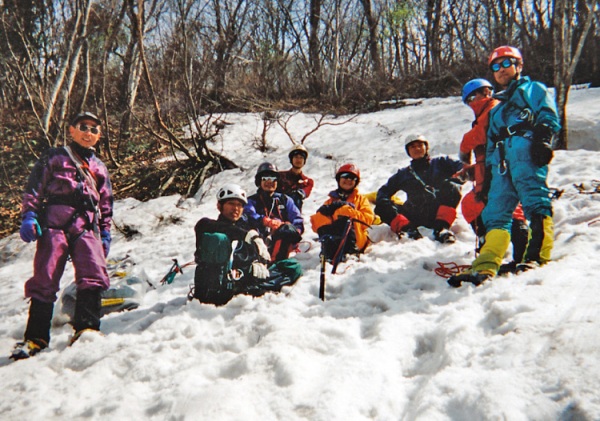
345	213
477	94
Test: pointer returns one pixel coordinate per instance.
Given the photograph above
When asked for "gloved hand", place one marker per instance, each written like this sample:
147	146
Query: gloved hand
329	210
300	193
261	248
30	227
106	239
464	157
466	174
541	149
260	270
287	232
345	210
399	223
272	223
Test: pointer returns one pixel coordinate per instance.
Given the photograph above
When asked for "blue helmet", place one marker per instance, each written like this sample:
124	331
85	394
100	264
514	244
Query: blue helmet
472	85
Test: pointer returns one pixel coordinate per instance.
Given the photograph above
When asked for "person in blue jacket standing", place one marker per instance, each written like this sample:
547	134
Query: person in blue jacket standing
519	139
274	214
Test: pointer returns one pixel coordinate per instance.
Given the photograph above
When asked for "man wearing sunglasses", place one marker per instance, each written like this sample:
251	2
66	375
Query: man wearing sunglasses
274	214
519	138
67	208
432	194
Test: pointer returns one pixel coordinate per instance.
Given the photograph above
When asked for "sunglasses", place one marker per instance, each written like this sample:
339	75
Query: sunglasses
85	128
472	97
269	178
349	177
506	63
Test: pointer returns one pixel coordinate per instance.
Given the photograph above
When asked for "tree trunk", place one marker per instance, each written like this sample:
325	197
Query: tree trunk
373	40
69	62
565	61
316	87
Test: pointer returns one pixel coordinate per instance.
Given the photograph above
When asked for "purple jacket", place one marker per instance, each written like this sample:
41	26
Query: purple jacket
55	189
277	206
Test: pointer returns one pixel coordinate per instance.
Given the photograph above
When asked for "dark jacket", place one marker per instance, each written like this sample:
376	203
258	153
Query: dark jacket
419	181
244	253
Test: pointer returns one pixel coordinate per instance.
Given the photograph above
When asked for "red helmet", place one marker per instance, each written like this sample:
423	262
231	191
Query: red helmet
348	168
505	51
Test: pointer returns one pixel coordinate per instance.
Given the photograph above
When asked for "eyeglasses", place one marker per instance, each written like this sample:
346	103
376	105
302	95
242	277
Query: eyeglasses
506	63
269	178
349	177
85	128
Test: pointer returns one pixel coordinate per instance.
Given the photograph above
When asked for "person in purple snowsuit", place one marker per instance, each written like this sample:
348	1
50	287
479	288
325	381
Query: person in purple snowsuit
67	208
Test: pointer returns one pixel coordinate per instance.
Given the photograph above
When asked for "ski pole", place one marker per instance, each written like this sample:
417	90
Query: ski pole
337	257
322	280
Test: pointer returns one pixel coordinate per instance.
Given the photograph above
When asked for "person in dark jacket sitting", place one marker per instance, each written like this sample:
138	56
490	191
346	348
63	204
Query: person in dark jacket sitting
274	214
432	193
232	258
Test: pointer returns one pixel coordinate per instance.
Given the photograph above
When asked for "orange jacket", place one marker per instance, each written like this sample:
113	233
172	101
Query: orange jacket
362	214
475	139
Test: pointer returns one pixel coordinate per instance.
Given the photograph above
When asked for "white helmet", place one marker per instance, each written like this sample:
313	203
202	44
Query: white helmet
231	191
298	149
415	138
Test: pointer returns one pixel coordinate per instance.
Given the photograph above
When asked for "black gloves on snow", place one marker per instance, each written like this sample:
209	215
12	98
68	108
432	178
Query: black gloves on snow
541	149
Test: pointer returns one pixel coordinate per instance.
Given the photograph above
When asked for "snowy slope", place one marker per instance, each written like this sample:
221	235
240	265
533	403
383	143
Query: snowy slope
391	342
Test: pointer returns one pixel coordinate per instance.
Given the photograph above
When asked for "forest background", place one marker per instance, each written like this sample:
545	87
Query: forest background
162	74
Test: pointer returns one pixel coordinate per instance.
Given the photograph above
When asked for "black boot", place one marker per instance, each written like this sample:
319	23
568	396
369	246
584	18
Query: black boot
442	233
474	278
38	324
37	333
537	239
87	310
519	235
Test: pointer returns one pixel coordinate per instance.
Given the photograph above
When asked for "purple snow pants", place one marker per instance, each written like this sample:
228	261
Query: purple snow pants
53	248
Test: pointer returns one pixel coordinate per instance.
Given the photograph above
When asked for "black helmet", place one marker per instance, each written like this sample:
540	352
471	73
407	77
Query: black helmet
264	169
85	116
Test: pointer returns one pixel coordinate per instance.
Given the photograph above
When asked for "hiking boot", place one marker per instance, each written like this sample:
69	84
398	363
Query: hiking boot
88	306
525	266
27	348
85	335
506	268
444	236
414	234
474	278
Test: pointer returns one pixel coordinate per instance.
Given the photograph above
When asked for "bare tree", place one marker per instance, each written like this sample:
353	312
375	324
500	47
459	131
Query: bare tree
373	40
64	81
314	18
565	59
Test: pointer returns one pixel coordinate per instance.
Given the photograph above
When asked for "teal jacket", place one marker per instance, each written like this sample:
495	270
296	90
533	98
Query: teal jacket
523	100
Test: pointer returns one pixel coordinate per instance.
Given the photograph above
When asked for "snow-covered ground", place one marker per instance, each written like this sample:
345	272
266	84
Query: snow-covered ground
392	341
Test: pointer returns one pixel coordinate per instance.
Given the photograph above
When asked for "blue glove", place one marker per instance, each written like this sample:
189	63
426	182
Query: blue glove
106	239
30	228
